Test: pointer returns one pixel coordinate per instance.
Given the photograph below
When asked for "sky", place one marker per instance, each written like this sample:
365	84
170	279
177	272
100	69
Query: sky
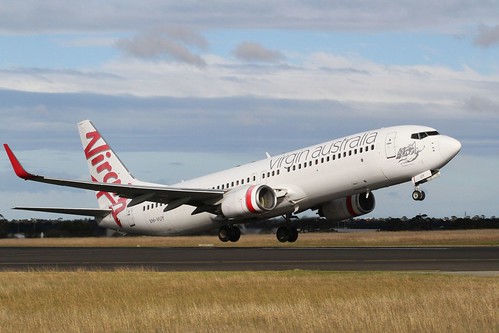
180	89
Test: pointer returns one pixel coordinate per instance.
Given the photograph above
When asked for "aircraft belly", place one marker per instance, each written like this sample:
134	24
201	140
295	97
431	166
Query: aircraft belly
178	221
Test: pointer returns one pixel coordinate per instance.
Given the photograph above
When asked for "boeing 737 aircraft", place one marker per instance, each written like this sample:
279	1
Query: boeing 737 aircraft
334	178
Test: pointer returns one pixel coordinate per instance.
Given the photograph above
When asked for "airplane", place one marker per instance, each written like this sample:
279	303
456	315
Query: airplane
334	178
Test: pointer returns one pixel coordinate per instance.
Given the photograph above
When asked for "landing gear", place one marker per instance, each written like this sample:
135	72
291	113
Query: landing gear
286	234
229	233
418	194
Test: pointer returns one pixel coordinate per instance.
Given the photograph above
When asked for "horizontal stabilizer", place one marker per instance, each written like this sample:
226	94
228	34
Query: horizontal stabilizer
95	212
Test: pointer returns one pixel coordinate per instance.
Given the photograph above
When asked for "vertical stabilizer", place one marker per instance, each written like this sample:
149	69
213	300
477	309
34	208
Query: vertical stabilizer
104	165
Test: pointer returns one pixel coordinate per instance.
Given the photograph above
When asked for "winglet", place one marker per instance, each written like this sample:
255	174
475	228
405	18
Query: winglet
18	168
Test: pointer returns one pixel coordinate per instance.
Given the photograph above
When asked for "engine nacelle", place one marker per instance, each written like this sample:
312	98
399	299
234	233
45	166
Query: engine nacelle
248	201
351	206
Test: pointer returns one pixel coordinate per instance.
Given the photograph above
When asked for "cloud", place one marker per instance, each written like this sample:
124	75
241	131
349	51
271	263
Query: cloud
487	36
33	16
165	43
255	52
481	104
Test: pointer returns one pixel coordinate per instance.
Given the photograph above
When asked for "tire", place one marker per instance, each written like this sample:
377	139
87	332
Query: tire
293	235
423	195
234	234
282	234
224	233
416	195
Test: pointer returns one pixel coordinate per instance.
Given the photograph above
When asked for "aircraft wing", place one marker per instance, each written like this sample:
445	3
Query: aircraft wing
138	193
95	212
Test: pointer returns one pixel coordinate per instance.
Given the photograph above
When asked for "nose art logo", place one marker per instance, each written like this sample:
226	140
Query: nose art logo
98	157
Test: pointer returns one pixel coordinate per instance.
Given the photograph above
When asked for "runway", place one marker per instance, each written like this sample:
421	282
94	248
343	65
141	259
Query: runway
244	259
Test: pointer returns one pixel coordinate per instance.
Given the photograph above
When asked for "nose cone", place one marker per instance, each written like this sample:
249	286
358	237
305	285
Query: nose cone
449	147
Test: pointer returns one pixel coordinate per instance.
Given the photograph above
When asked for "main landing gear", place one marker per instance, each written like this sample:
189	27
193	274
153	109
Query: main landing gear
286	234
229	233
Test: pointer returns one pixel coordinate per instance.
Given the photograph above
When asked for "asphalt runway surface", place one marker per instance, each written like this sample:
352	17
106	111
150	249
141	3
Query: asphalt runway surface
448	259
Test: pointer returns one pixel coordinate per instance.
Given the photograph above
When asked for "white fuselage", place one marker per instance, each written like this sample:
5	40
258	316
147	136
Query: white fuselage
306	178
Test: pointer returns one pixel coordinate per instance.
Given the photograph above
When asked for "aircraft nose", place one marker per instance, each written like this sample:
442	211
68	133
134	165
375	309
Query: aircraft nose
449	147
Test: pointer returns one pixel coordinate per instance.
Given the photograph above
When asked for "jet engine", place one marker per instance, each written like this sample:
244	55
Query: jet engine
248	201
351	206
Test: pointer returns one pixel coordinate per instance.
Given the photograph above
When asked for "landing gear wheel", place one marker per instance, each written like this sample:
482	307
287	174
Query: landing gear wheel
234	234
418	195
229	233
293	235
286	234
282	234
223	233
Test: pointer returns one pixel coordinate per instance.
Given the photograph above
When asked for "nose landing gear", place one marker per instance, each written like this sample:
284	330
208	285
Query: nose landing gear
423	177
418	194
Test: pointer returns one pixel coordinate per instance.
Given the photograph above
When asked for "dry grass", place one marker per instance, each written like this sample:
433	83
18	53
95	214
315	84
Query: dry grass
299	301
409	238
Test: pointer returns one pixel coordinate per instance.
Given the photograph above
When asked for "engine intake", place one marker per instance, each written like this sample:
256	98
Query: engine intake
351	206
248	201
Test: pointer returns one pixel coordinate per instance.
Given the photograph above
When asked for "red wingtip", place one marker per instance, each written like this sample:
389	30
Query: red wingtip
18	168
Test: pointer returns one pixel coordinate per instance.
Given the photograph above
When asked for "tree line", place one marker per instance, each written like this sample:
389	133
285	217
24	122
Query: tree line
36	228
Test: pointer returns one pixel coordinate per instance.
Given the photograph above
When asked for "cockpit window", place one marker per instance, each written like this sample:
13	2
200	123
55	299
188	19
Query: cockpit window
422	135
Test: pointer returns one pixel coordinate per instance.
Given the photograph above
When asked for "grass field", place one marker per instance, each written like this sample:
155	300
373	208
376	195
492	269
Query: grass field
294	301
488	237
